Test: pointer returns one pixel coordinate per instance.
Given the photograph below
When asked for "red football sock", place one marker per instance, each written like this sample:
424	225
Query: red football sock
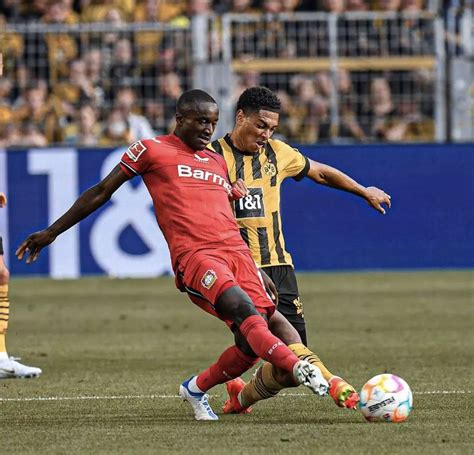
231	364
266	345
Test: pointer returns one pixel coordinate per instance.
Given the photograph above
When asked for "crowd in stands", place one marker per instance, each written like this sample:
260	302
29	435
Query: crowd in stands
112	86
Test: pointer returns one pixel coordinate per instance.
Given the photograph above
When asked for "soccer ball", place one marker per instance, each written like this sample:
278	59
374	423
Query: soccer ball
386	398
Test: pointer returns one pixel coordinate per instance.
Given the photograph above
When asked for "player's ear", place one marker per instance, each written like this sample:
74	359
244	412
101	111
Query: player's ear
240	117
179	119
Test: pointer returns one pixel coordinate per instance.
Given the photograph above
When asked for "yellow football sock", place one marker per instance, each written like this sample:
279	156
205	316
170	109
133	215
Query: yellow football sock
4	314
266	383
303	353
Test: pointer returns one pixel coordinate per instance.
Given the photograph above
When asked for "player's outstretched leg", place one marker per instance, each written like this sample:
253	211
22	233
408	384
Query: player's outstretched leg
268	381
343	394
9	366
199	400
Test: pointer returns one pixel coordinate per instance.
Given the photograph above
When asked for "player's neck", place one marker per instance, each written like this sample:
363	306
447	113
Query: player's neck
237	143
177	135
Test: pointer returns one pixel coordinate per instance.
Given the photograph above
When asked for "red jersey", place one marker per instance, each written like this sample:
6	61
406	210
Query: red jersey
190	193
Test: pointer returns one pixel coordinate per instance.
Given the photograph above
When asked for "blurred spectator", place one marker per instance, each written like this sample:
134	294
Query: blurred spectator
155	54
333	6
105	41
412	6
35	10
94	61
11	10
31	135
139	126
48	56
170	90
387	5
6	111
196	7
12	47
123	69
76	90
356	5
96	10
349	126
155	113
290	6
36	108
380	110
117	130
244	81
385	121
85	130
272	6
242	7
9	135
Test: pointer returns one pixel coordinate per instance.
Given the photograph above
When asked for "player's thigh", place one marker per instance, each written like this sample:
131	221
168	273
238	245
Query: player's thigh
249	278
208	274
4	274
289	302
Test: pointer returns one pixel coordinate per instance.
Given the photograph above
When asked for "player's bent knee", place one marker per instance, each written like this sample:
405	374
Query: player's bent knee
243	345
4	275
235	304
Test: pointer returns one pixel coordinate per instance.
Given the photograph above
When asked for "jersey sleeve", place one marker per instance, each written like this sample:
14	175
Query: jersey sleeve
136	159
296	165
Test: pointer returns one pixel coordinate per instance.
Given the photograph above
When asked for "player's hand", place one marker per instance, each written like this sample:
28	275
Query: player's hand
3	200
376	198
239	190
33	245
269	286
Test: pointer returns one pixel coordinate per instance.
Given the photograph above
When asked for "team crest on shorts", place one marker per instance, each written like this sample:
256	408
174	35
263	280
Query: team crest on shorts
209	279
269	169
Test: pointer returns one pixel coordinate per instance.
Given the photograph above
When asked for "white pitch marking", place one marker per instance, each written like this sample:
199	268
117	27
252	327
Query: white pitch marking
162	397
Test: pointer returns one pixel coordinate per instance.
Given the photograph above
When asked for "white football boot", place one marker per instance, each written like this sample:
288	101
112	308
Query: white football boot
310	376
10	368
199	402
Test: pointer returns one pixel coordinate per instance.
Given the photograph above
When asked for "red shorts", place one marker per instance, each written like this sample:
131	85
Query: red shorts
208	273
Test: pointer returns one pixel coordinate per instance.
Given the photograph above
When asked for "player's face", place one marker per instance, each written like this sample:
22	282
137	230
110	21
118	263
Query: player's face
196	127
255	129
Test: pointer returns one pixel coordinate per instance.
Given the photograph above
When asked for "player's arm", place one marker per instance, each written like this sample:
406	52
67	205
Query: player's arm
3	200
330	176
269	286
87	202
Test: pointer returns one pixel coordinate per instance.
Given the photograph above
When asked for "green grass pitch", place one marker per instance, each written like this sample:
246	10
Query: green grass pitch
113	353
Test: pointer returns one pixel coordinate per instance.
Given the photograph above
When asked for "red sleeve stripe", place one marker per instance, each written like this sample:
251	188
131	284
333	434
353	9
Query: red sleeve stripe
129	167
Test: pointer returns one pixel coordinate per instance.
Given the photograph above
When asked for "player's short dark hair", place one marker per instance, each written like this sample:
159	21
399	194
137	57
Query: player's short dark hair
189	100
255	99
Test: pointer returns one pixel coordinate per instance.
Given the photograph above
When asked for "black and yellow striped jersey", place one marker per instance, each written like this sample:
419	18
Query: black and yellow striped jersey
258	214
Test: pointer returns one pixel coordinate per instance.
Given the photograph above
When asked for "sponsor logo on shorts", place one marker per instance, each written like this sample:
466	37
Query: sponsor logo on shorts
209	279
135	150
